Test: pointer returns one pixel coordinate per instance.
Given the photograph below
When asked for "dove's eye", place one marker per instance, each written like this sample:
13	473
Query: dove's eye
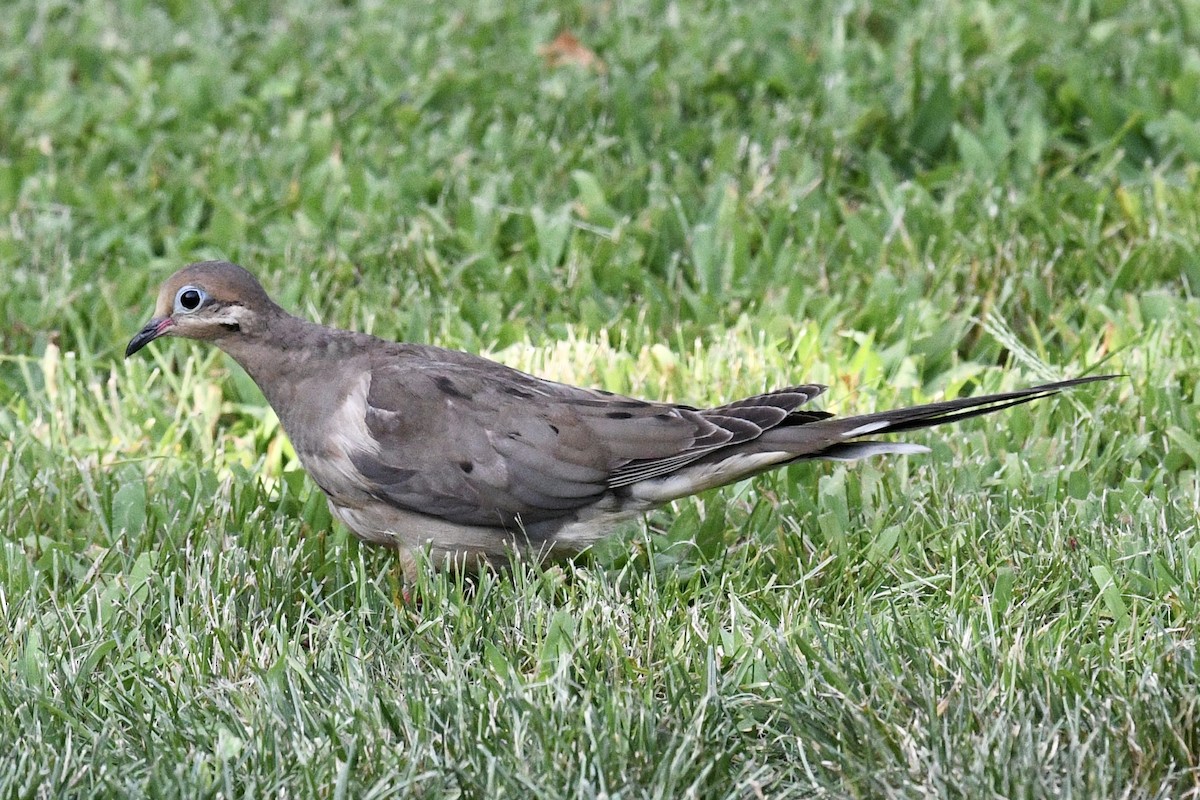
189	299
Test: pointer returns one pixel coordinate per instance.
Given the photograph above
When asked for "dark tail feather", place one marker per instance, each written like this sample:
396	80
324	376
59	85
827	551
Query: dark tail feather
850	429
908	419
812	435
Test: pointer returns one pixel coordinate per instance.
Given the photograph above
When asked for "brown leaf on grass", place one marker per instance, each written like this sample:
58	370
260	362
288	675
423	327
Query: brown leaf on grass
566	49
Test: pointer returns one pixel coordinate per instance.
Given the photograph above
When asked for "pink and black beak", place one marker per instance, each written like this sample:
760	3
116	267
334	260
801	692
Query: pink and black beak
154	329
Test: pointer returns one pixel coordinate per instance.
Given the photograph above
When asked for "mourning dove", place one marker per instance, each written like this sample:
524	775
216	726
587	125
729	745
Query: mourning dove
418	447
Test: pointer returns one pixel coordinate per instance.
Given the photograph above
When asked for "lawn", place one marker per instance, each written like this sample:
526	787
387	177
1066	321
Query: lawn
904	200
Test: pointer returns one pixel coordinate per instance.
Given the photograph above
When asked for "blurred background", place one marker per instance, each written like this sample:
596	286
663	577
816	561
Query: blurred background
510	170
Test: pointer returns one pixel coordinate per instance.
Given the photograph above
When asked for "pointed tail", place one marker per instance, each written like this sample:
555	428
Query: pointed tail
899	420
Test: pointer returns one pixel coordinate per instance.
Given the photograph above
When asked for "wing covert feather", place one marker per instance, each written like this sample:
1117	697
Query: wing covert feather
461	438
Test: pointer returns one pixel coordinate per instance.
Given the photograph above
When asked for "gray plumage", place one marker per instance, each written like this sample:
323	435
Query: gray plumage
422	447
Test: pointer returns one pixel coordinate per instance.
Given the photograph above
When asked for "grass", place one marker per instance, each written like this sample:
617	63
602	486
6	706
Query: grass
904	200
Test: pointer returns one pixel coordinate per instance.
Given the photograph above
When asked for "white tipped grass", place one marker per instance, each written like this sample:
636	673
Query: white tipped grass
746	196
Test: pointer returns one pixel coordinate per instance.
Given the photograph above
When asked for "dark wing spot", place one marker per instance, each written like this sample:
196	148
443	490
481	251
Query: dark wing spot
618	415
447	387
588	402
378	472
553	427
466	466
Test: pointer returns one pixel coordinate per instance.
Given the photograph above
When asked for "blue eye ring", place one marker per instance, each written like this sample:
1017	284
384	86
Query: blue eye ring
189	299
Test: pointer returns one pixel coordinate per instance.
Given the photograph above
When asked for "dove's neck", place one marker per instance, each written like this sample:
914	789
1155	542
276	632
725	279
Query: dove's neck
300	366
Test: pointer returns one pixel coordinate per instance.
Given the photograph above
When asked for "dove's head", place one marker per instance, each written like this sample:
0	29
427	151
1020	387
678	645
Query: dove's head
210	300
